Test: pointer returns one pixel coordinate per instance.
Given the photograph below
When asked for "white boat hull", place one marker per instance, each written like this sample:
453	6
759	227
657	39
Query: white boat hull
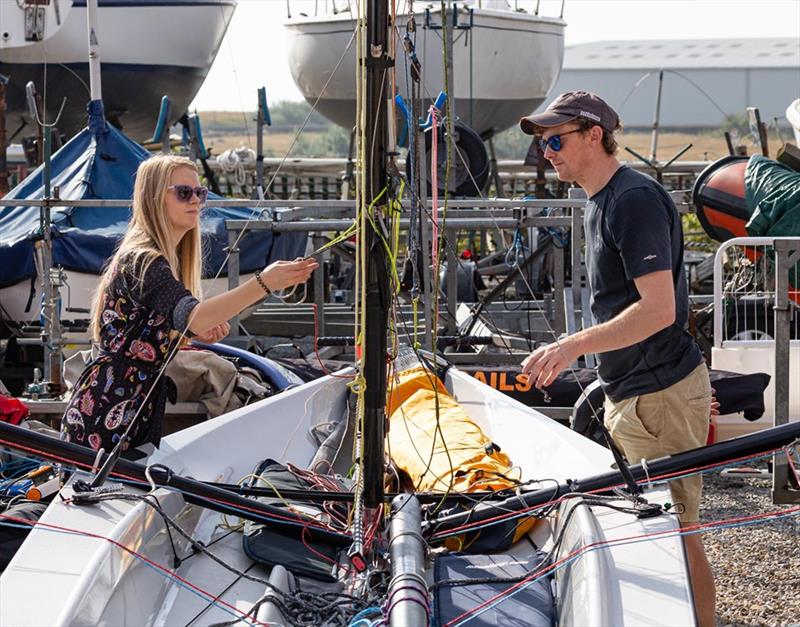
20	308
17	31
793	116
515	61
158	48
91	580
123	26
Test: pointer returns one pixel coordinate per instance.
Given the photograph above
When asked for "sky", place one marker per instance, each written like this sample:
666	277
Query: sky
253	51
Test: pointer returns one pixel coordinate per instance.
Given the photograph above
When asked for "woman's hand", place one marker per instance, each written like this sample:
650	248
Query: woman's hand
283	274
214	311
214	334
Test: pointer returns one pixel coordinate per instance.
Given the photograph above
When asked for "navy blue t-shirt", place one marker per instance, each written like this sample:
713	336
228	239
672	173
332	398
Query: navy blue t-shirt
633	229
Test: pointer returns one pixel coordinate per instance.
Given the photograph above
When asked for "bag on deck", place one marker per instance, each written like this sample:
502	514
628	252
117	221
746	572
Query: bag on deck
532	606
298	554
448	451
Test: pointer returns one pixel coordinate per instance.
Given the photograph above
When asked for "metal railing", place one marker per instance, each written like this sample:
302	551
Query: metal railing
745	276
320	216
310	177
752	279
474	215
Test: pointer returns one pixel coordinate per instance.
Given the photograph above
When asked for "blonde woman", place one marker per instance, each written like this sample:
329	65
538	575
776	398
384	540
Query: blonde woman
148	296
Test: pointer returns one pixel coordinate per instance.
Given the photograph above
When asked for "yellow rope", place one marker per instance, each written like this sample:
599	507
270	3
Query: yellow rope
347	233
358	385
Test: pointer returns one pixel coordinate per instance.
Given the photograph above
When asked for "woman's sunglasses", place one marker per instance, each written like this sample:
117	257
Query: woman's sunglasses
554	141
184	193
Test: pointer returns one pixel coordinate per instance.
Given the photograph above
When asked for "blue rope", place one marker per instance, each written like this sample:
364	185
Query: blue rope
365	617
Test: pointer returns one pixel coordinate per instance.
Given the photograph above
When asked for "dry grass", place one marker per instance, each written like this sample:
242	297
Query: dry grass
274	143
705	146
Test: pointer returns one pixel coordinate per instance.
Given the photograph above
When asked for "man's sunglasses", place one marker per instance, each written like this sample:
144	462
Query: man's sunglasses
554	141
184	193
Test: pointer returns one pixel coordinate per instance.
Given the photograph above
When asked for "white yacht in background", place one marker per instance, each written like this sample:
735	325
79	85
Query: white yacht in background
793	116
505	63
149	49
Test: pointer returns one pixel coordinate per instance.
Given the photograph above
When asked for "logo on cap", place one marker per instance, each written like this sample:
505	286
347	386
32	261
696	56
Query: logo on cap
590	115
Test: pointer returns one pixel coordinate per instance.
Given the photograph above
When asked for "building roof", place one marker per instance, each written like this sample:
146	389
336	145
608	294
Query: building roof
684	53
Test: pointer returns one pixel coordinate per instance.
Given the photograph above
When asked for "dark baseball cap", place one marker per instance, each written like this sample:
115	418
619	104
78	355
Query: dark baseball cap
571	106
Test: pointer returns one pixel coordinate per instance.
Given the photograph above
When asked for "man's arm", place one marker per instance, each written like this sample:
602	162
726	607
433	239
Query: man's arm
649	315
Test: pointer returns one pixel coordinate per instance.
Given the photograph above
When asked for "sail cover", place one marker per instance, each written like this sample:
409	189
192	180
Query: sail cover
433	441
103	166
750	196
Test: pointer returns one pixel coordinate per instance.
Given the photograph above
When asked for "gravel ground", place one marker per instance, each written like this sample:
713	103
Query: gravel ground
757	568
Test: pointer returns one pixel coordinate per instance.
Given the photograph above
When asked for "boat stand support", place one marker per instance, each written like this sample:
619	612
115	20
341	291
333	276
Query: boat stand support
787	255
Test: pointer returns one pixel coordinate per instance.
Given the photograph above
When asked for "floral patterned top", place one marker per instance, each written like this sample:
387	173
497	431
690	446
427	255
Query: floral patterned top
140	326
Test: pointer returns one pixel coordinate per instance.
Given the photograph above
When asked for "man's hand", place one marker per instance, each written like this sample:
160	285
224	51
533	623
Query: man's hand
214	334
545	363
714	403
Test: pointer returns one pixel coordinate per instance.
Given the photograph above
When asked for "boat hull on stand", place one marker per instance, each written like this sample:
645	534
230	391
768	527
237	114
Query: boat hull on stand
182	38
505	64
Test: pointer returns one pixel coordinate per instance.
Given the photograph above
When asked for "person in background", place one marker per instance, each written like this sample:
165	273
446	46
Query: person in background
658	393
148	302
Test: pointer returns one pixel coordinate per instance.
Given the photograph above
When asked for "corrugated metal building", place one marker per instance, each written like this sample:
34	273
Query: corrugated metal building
704	79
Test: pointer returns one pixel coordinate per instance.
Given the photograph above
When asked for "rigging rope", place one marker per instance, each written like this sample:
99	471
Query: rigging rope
358	385
605	544
435	187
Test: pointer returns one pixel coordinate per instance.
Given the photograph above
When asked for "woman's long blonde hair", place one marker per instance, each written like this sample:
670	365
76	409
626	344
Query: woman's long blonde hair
149	236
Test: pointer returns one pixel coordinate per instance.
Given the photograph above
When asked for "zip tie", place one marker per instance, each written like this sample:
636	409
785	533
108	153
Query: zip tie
149	478
97	458
646	473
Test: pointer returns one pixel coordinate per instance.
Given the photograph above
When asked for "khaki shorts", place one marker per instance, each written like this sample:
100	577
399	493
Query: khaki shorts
662	423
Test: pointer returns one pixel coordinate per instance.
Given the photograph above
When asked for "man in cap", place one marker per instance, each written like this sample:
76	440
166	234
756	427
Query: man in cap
658	393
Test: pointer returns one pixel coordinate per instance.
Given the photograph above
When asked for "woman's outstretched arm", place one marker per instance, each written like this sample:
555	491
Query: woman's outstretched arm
223	307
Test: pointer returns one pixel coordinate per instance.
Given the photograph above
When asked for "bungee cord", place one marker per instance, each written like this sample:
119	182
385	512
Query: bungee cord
656	479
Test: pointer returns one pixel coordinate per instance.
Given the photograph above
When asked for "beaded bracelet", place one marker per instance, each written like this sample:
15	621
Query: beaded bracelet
263	285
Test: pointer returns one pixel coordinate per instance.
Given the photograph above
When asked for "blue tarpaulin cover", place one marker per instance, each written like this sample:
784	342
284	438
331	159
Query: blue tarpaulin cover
103	166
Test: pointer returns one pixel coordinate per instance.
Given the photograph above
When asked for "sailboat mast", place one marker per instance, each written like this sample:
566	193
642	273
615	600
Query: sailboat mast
97	122
95	85
378	61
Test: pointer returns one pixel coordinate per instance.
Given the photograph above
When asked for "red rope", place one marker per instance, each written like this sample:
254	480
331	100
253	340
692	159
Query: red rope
601	543
168	572
504	516
318	554
114	473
